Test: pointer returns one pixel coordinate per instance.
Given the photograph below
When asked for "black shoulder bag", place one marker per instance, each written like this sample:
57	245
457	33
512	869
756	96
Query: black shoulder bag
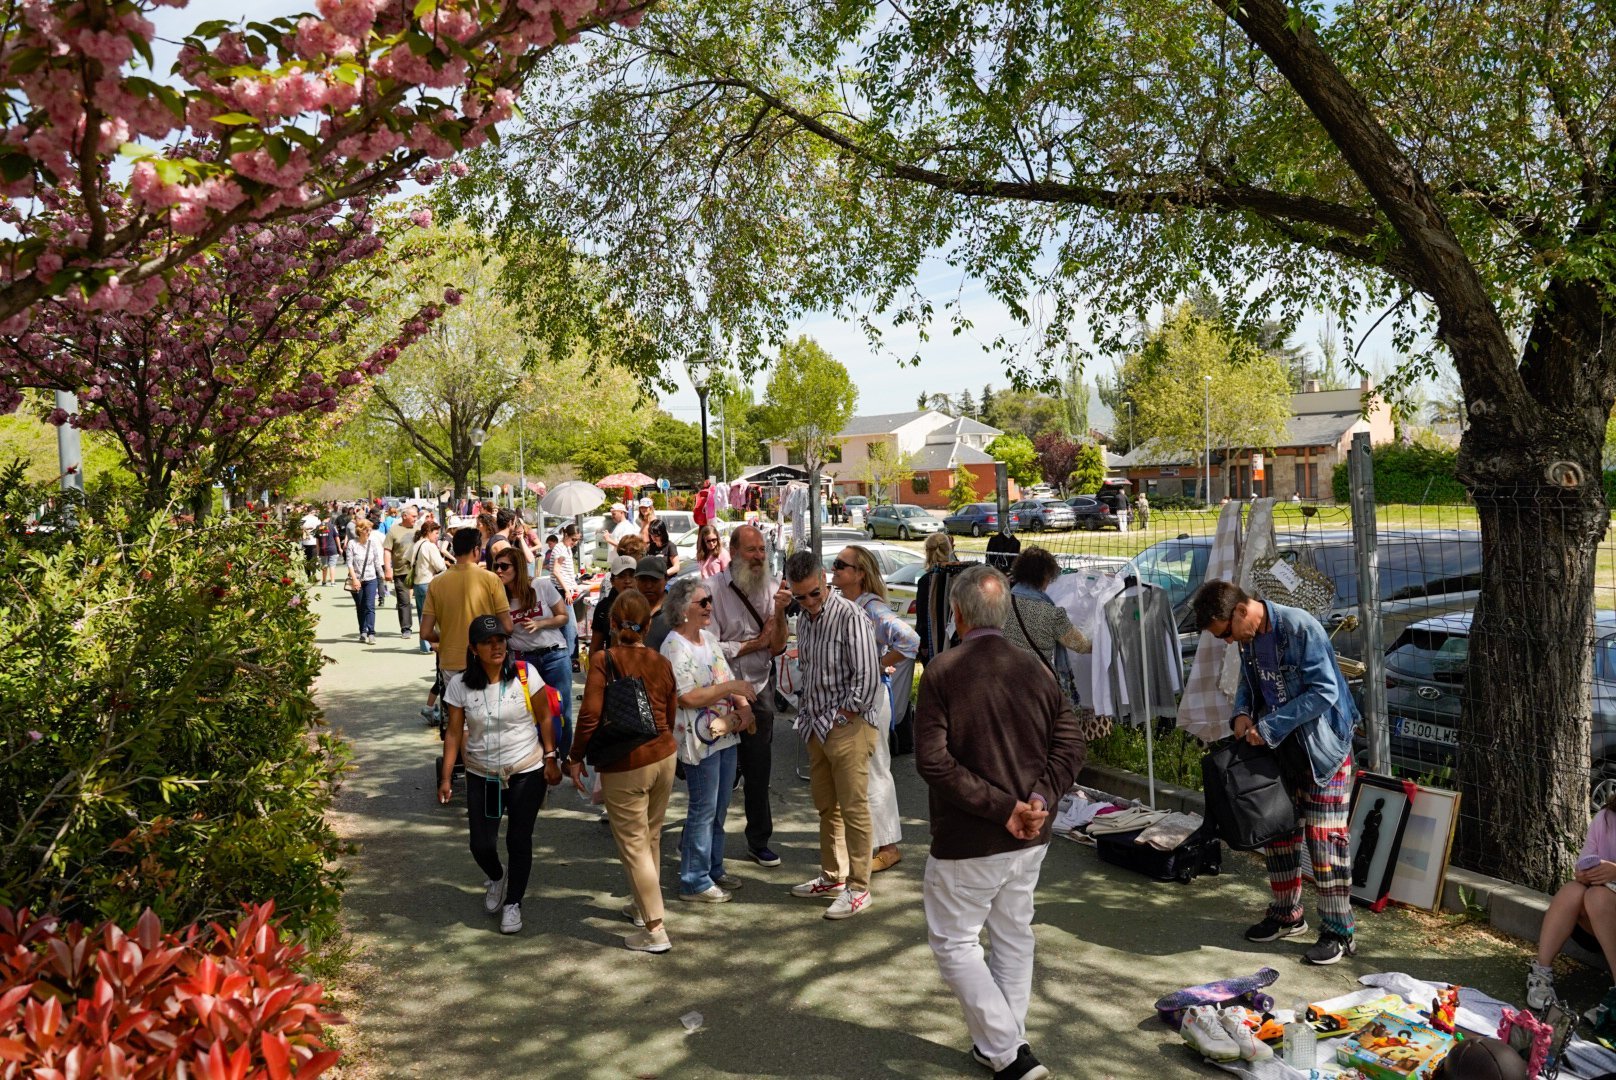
626	720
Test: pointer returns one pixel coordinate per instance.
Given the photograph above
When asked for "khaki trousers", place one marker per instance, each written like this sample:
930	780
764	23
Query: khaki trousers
636	802
839	776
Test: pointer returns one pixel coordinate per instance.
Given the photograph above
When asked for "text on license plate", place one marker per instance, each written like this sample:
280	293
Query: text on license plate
1424	731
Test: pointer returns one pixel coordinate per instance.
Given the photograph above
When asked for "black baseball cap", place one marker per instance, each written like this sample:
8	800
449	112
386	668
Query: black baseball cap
652	566
485	628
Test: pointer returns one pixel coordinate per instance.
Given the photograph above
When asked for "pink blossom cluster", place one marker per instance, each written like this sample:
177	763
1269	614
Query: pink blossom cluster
250	332
348	73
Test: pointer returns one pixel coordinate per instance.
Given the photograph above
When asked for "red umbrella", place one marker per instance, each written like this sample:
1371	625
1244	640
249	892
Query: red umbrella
625	480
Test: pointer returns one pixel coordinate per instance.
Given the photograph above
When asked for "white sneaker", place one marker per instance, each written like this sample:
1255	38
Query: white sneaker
819	888
510	919
1205	1035
1245	1040
1539	988
631	912
712	894
848	904
495	896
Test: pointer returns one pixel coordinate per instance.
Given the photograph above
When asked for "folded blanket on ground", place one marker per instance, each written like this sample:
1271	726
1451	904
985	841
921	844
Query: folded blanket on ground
1170	831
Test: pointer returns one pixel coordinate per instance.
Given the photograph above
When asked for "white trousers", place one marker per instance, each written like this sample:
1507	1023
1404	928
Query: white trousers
962	898
886	827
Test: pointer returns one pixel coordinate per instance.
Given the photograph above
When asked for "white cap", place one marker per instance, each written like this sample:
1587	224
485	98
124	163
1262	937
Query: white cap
620	507
645	501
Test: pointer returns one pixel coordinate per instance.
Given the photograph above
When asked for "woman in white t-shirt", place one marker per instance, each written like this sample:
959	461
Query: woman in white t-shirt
498	715
426	562
365	576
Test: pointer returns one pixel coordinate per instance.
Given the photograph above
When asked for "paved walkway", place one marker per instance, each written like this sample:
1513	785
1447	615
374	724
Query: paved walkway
783	993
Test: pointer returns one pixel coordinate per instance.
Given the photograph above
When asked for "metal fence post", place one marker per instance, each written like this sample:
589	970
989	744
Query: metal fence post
1361	475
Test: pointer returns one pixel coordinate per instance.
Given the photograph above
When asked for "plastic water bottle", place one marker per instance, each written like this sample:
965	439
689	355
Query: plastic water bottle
1301	1045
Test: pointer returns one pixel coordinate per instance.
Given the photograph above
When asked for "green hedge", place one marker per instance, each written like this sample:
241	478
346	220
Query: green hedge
1413	475
160	746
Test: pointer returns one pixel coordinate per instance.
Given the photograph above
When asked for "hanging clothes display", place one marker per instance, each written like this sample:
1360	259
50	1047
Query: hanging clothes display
1084	597
1146	673
1204	709
720	497
794	508
1003	548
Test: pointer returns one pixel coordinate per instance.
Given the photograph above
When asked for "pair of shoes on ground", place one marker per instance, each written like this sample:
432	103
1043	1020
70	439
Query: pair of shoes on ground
510	915
649	941
763	856
721	891
1223	1034
885	860
1331	948
845	902
1024	1067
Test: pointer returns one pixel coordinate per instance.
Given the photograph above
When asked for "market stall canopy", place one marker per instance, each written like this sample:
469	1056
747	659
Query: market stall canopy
572	498
777	474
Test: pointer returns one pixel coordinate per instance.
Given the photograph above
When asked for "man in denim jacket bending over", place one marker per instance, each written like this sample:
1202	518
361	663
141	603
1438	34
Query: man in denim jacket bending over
1293	698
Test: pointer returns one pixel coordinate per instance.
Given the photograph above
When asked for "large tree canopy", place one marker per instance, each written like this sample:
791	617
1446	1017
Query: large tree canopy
1453	163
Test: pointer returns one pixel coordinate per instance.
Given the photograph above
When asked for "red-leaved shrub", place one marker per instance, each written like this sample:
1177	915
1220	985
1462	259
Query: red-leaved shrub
215	1005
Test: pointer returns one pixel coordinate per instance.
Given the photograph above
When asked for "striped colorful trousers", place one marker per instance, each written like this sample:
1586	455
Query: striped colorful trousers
1325	813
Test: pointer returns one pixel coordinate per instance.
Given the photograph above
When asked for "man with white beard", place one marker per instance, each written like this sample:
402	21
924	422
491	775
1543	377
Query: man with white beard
749	615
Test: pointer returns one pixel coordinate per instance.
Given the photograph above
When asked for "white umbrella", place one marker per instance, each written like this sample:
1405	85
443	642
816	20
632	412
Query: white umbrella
572	498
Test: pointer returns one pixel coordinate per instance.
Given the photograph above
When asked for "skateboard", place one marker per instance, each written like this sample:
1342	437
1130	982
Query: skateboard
1244	990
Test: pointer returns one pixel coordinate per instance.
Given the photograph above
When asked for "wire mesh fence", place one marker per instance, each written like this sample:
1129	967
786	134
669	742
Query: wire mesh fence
1503	689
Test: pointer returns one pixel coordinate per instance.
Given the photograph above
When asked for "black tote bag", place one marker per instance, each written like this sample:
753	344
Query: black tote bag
1246	795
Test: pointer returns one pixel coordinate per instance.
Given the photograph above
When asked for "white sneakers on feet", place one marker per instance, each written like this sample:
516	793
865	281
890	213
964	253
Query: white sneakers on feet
1539	987
1204	1033
652	941
712	894
494	898
819	888
631	912
1235	1025
510	919
848	904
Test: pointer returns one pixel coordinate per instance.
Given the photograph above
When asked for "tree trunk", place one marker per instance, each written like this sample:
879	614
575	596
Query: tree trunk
1524	737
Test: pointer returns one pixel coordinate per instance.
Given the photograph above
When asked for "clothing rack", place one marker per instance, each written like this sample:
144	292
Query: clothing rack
1133	582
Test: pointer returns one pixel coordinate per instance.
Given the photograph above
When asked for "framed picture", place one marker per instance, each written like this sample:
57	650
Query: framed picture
1380	807
1422	861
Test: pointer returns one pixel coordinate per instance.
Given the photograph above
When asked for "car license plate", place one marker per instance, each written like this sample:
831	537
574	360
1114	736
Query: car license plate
1424	730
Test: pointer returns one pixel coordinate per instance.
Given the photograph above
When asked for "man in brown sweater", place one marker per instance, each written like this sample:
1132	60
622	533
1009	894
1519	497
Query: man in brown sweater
998	744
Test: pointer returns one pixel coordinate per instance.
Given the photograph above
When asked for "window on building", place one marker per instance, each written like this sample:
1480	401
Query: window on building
920	484
1307	480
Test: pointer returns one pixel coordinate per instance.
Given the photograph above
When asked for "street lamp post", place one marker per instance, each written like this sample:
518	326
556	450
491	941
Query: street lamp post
700	371
389	464
477	437
1208	381
409	475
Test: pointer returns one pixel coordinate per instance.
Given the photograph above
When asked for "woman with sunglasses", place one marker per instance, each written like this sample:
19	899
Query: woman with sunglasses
711	557
538	617
857	576
497	719
657	543
714	708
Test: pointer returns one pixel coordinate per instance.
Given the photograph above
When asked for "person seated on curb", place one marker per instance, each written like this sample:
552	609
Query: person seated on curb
1584	910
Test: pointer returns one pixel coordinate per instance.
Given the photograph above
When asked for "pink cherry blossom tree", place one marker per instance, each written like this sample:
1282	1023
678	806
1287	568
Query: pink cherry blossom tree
273	119
271	324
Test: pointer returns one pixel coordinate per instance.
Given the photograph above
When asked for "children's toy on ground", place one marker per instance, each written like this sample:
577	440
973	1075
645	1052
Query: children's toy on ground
1390	1046
1346	1020
1443	1008
1244	990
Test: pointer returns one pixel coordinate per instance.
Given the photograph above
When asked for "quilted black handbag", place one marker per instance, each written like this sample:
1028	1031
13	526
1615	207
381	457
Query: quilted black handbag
626	720
1246	795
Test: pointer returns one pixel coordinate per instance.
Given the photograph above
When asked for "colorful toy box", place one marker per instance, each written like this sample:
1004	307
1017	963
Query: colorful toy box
1393	1047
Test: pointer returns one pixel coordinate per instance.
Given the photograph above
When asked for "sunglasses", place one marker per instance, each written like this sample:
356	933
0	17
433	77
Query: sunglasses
1228	633
812	594
704	602
840	565
502	567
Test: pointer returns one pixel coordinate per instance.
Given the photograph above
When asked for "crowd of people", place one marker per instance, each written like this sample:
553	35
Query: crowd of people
681	684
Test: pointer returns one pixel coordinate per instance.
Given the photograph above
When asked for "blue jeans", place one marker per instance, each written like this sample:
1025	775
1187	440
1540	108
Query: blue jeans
701	847
555	667
365	604
420	606
571	632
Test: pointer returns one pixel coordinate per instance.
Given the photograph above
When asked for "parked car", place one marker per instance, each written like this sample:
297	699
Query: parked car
904	521
1039	515
678	522
1426	667
890	557
978	519
1422	573
1090	513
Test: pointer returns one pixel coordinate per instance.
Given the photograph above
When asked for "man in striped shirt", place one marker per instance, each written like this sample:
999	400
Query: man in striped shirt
837	717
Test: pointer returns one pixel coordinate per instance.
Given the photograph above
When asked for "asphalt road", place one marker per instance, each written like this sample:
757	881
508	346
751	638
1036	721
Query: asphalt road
782	992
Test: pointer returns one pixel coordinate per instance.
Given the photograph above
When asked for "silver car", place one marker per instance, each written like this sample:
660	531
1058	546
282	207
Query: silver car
905	521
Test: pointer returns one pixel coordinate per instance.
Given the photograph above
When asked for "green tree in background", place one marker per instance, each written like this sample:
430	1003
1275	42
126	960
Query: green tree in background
1019	455
1088	470
885	469
1250	392
963	491
809	399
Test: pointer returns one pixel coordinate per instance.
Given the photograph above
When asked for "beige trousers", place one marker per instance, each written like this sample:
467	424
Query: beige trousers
636	802
839	777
